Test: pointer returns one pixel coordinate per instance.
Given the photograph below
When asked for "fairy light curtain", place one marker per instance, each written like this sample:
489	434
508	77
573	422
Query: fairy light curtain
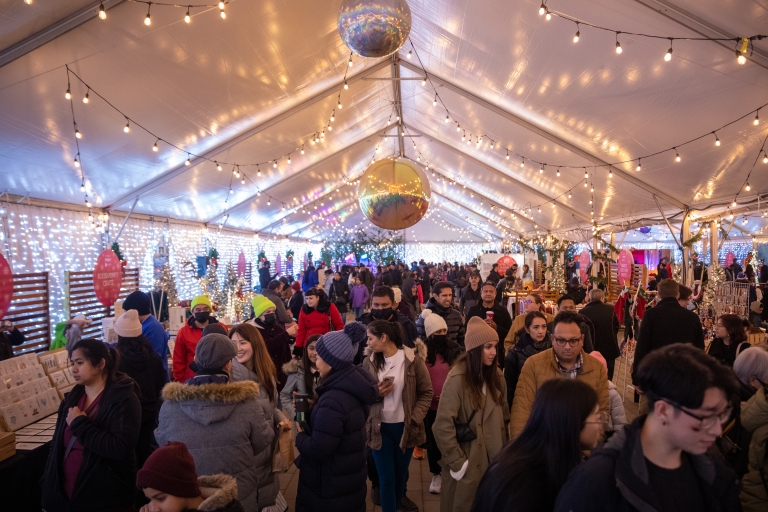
55	241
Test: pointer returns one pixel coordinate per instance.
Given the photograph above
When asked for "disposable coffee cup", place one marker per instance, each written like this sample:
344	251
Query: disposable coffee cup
489	315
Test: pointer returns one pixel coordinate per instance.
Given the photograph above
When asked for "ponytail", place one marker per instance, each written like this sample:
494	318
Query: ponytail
95	351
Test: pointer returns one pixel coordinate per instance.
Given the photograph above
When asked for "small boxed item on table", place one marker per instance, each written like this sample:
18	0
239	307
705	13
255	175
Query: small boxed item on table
7	445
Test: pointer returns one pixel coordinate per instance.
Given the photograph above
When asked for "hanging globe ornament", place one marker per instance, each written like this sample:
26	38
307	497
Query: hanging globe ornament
374	28
394	193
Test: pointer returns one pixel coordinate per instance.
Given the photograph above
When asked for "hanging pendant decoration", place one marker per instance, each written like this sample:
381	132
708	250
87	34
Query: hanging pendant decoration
394	193
107	277
374	28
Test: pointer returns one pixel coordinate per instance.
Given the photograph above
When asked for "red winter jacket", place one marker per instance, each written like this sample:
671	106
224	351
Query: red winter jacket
184	350
317	321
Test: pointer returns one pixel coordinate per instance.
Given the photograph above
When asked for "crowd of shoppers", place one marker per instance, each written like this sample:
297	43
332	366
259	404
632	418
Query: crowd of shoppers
514	415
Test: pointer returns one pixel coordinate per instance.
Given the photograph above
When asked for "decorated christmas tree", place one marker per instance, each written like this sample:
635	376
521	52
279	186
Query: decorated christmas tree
167	283
209	285
229	291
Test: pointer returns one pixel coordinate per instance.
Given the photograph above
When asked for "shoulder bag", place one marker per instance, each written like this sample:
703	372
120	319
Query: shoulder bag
464	433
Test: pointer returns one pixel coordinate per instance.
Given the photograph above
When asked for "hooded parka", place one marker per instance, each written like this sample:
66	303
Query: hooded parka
224	428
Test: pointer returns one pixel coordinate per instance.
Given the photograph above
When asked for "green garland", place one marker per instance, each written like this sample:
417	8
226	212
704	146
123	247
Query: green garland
695	238
116	250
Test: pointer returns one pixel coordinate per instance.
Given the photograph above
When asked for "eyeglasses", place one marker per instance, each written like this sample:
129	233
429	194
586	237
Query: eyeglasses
572	342
705	421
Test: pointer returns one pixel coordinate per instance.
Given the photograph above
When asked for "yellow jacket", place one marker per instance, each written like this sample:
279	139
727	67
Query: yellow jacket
542	367
517	324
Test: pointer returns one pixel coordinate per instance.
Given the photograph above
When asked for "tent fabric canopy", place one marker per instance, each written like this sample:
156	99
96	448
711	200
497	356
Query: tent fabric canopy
257	86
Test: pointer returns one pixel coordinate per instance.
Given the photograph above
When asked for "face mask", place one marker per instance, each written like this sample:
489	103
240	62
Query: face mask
202	316
691	306
440	338
269	319
381	314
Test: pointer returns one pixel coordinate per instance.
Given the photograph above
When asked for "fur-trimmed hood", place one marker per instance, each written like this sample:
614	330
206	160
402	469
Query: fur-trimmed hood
410	353
219	491
293	366
210	403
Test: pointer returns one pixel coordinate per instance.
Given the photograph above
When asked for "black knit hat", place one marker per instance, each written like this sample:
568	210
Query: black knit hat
139	301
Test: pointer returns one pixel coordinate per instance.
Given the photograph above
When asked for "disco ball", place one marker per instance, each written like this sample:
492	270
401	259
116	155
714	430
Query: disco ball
394	194
374	28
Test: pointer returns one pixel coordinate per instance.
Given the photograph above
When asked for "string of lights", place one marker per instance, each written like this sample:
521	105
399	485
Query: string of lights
315	137
187	17
78	157
742	44
508	153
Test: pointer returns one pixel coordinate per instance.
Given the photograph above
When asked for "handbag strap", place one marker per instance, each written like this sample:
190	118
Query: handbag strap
469	420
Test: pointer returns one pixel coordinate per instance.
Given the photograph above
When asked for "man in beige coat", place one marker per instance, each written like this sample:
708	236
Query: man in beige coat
566	359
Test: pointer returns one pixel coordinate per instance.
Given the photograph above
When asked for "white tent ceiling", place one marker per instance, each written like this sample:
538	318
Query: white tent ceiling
258	85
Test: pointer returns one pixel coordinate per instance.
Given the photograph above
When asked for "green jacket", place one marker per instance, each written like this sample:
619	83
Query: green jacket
754	418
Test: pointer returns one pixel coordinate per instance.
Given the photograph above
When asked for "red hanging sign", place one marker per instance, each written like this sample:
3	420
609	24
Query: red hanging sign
625	265
584	261
6	286
504	263
107	278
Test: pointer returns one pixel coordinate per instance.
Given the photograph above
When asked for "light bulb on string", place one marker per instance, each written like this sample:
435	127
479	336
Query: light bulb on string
274	164
542	10
610	173
218	166
77	163
410	53
668	55
447	118
541	170
765	157
741	59
155	148
458	127
289	159
586	174
187	17
127	126
434	103
87	96
639	166
522	162
77	134
243	180
757	118
258	171
82	186
618	44
339	105
333	116
677	155
148	19
223	14
231	191
507	155
350	61
302	149
576	37
747	187
558	172
188	162
717	139
68	94
733	204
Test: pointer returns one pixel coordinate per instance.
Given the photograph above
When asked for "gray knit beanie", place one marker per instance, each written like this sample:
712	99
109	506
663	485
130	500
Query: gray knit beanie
339	348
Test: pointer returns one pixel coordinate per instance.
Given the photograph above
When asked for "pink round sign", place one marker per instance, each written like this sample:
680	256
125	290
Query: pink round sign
729	259
505	262
625	264
6	286
107	278
584	261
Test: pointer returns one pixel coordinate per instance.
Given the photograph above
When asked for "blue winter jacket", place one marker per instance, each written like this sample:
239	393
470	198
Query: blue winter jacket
332	460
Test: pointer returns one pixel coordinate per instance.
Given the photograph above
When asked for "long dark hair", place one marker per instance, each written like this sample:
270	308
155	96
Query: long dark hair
261	363
94	351
447	351
477	374
309	377
394	333
137	344
735	328
529	321
550	440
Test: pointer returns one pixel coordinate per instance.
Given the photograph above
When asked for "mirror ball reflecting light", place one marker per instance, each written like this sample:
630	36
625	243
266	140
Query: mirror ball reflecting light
374	28
394	194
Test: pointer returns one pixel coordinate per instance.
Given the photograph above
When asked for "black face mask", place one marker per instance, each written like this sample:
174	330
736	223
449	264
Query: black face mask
440	338
269	319
381	314
202	316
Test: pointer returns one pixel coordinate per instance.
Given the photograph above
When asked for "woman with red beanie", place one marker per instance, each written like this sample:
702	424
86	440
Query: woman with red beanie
170	483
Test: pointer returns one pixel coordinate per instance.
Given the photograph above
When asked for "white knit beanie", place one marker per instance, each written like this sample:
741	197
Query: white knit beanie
432	322
398	294
128	325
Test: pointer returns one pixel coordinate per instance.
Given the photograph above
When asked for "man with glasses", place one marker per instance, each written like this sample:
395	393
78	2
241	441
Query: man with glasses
441	303
660	461
566	359
566	304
